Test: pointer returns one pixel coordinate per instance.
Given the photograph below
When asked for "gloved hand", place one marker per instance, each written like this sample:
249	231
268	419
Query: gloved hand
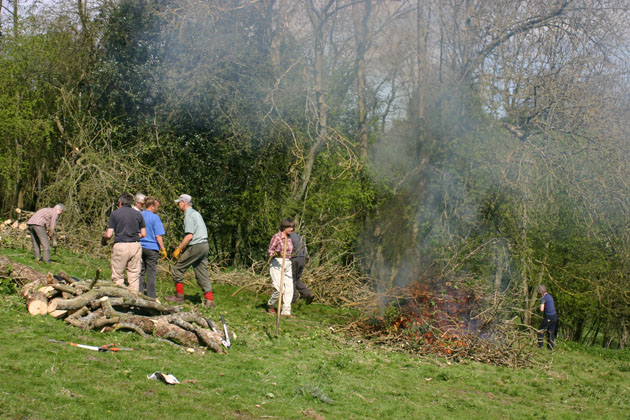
103	241
54	243
176	253
163	254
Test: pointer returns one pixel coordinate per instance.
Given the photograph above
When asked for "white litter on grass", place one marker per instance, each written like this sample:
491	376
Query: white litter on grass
166	378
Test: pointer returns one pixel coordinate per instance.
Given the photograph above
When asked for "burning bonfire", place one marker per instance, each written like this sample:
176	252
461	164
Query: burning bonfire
448	322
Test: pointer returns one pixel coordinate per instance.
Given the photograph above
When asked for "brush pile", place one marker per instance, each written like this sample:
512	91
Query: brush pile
332	284
101	305
422	321
14	232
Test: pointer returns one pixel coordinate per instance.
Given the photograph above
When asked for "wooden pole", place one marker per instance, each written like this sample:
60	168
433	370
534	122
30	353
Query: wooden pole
284	247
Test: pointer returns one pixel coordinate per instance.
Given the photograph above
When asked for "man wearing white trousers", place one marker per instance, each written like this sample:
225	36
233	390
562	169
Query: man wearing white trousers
280	248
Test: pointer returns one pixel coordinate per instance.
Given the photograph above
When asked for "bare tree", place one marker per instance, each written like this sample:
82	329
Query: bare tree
319	19
361	13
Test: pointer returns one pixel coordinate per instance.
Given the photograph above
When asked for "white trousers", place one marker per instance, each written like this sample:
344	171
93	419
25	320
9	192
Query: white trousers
275	270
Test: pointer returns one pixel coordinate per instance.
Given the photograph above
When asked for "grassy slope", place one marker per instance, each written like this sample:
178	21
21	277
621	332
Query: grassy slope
290	377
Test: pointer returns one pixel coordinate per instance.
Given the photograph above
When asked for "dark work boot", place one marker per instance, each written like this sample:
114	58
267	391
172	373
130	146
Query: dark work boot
177	298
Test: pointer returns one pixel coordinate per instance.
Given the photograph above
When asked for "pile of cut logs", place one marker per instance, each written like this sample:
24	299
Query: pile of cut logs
101	305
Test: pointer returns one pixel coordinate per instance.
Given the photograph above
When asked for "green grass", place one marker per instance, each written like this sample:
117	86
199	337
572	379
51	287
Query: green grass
310	371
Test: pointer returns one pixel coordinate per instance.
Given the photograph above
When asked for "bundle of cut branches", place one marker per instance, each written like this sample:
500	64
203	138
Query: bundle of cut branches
332	284
339	284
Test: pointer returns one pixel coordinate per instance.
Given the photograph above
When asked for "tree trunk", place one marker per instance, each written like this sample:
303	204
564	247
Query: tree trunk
579	329
422	40
318	19
500	259
322	124
361	16
84	19
84	299
276	30
16	30
623	338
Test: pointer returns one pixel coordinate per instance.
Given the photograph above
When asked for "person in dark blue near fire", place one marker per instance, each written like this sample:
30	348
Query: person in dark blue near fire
550	318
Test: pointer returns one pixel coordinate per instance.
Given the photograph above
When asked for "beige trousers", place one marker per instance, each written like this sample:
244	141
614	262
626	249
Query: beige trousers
127	255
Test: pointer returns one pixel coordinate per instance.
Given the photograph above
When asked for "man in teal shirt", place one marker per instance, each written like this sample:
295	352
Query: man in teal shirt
192	252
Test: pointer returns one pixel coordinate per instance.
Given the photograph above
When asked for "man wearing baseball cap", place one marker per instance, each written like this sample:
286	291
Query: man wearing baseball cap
192	252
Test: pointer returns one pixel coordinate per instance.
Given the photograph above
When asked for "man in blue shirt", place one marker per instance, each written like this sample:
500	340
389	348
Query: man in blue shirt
152	246
550	318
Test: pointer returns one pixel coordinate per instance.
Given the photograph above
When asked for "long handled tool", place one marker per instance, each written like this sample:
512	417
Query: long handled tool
284	247
226	342
106	347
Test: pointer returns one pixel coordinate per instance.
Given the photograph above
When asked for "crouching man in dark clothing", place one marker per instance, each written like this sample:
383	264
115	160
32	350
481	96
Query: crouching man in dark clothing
550	318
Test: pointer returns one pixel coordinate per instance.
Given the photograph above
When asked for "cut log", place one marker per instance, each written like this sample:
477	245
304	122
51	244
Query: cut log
93	294
22	275
174	333
141	303
51	279
84	286
58	314
83	317
49	291
208	338
66	288
66	277
37	304
20	271
30	288
96	277
52	305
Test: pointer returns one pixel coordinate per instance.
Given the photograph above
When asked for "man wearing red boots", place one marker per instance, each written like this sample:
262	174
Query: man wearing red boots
192	252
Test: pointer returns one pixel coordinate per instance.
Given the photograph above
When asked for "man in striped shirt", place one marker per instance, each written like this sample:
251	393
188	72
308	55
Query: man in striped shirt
44	220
